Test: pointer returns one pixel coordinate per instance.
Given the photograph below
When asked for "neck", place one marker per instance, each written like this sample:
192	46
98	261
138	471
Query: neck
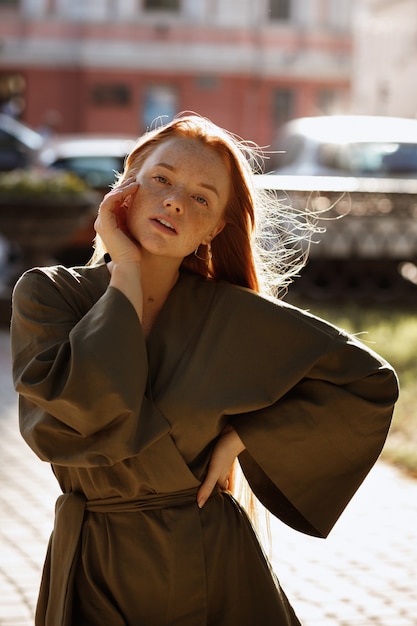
158	277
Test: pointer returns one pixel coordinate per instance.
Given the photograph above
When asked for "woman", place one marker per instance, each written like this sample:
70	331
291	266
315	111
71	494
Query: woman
142	377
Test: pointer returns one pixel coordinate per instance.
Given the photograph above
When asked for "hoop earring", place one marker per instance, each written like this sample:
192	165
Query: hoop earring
209	256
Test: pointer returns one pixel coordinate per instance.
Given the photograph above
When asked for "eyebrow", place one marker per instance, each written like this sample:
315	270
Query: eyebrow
204	185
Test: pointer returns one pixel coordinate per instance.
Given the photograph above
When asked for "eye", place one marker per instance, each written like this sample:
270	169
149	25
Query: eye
201	200
161	179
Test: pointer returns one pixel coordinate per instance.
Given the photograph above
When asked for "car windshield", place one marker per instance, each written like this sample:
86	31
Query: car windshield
97	171
371	159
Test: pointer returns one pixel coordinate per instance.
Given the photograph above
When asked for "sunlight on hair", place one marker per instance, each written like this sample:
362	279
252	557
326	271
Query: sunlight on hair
286	229
258	514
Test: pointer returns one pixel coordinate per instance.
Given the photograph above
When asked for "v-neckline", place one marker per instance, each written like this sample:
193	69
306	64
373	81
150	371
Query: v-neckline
161	313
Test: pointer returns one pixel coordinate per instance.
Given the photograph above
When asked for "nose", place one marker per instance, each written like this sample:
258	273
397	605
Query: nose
175	202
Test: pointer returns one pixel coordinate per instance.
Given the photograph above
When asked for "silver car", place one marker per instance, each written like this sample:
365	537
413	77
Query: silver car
347	145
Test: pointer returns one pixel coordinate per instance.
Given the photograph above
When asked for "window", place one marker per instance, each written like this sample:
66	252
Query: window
207	83
111	94
160	105
279	9
378	159
98	171
12	94
161	5
82	10
283	105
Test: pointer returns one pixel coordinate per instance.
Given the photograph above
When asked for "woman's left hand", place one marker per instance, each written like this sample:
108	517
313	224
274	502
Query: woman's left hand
228	447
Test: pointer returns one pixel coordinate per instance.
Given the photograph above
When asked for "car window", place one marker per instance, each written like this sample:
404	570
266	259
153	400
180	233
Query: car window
370	158
12	153
97	171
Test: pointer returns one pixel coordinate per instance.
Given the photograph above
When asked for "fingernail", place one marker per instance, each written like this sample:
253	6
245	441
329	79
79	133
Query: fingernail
200	503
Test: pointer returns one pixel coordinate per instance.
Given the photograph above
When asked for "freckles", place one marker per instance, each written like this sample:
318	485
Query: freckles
148	190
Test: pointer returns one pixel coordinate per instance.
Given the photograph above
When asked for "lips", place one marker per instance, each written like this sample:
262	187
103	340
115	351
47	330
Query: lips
165	224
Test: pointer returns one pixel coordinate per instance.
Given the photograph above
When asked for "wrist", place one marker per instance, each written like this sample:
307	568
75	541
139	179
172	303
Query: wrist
234	440
126	277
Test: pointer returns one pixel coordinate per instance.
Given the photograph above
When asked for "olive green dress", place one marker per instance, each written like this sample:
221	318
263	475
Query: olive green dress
128	424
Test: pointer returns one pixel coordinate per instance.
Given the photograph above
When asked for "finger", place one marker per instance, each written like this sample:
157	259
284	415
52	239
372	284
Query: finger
205	491
116	202
212	479
119	194
121	216
130	183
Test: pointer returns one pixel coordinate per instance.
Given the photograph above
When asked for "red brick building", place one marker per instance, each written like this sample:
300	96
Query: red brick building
114	65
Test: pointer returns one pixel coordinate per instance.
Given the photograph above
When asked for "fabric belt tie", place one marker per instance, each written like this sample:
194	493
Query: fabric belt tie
147	503
65	542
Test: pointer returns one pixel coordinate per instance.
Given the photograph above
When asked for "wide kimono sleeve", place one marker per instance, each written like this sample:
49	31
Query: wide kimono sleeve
80	368
325	420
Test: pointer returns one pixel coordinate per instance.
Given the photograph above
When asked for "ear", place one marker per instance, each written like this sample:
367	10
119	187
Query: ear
214	234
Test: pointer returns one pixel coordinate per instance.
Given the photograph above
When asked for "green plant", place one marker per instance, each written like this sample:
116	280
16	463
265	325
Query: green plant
34	183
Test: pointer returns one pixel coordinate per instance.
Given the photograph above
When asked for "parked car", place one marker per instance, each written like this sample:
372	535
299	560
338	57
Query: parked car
363	168
95	159
348	145
19	144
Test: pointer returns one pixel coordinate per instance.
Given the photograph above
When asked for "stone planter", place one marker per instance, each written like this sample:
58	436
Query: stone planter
43	225
41	211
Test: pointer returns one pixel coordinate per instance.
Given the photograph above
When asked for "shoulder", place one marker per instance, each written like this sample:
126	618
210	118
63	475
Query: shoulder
250	313
42	285
62	277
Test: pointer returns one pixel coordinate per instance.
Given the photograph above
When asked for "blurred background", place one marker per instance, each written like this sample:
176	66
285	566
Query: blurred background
81	79
88	66
86	77
94	66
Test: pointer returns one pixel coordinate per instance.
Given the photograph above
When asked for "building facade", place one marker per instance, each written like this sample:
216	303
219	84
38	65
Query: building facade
115	65
385	59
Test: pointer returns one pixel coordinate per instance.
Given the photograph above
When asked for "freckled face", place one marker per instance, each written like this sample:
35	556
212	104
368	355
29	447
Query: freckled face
184	188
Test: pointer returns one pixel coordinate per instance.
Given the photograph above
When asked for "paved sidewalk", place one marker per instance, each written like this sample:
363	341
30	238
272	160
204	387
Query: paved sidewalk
364	574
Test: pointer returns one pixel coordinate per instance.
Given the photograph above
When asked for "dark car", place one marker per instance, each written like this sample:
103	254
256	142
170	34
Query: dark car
19	144
95	159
